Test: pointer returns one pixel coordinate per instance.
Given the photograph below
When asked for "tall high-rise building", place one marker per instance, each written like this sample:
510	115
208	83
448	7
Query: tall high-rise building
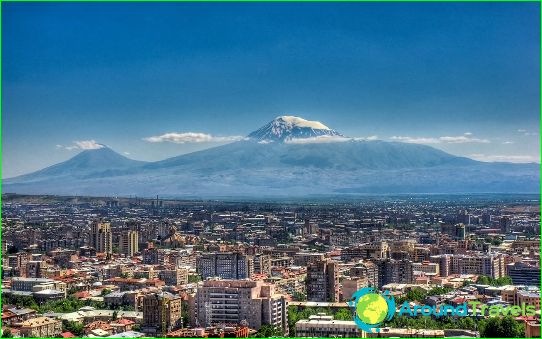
128	243
101	237
225	265
236	301
506	223
161	313
323	281
395	271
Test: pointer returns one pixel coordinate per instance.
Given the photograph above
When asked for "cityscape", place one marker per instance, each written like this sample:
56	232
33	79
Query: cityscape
290	169
134	267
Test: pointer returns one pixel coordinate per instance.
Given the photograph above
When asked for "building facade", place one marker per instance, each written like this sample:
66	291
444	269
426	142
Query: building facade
323	281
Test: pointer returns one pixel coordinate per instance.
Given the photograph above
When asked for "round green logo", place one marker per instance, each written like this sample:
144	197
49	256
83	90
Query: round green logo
372	308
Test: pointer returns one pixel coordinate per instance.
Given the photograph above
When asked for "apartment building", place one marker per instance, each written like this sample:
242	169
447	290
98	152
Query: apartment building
323	281
225	265
237	301
323	326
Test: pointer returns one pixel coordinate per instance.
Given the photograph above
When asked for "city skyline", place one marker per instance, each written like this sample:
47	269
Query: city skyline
467	71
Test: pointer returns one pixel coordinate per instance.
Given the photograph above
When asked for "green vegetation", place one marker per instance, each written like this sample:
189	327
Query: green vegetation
194	278
7	333
495	327
74	327
105	292
299	313
485	280
506	327
440	323
185	313
298	296
268	331
70	304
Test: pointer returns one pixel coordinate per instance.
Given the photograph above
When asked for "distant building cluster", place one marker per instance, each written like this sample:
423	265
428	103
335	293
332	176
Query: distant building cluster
131	267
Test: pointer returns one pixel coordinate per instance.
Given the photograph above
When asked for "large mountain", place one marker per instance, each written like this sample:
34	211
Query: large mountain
289	156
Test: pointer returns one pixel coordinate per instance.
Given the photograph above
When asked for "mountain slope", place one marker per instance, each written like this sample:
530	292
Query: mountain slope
269	164
102	161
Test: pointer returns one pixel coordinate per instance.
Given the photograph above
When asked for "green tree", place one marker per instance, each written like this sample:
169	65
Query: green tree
73	327
416	294
506	327
299	296
105	292
7	333
268	331
506	280
185	313
343	314
194	278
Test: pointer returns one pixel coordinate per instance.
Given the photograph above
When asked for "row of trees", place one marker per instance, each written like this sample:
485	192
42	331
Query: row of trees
495	327
485	280
70	304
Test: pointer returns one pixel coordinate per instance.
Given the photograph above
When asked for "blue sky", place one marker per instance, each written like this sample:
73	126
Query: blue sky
461	77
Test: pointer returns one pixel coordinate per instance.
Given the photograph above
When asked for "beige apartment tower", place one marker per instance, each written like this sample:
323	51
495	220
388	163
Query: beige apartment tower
128	243
101	237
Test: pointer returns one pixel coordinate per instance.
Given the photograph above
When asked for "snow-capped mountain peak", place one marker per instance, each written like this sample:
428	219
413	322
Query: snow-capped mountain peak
288	127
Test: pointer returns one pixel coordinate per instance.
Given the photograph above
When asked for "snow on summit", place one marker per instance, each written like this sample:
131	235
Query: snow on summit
286	127
290	120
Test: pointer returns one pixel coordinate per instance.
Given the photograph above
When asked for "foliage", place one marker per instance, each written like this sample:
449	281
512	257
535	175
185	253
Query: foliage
439	323
7	333
466	283
105	292
267	331
185	313
343	314
70	304
194	278
485	280
73	327
299	313
298	296
506	327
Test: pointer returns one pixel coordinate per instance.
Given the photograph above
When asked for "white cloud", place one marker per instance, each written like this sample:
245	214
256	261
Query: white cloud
460	139
322	139
521	130
414	140
506	158
82	144
191	137
507	142
126	153
317	140
369	138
